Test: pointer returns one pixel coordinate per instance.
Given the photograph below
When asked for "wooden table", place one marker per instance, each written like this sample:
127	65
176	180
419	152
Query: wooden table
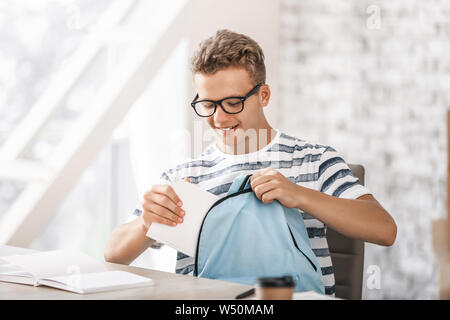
168	286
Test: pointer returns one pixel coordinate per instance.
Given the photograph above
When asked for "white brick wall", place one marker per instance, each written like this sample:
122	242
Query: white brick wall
377	90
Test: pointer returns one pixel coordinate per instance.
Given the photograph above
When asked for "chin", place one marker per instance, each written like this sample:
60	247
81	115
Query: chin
226	141
229	141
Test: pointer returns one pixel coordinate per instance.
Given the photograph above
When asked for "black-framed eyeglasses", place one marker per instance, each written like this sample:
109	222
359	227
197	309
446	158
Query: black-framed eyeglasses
231	105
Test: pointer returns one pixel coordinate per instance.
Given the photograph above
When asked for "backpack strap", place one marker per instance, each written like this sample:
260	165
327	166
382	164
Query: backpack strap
240	183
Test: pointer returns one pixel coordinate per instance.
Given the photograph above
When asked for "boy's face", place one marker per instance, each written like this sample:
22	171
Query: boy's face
233	82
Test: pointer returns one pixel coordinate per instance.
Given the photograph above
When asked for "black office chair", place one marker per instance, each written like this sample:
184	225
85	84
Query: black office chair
347	256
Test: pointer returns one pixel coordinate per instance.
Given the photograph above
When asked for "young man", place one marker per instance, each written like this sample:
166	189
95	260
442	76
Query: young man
229	75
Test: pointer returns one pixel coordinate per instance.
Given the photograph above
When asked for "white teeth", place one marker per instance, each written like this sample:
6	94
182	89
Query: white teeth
226	129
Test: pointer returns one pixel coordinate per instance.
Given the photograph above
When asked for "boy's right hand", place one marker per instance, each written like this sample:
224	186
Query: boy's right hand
162	205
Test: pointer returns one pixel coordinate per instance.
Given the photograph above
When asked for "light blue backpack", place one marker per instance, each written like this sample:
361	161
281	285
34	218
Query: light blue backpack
242	239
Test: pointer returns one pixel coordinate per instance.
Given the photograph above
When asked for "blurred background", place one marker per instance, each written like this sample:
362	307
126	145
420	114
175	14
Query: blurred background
94	104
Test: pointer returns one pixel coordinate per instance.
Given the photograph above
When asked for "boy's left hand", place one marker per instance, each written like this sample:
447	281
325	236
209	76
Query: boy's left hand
268	185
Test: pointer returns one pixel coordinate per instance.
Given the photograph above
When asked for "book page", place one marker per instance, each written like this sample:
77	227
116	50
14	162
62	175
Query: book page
55	263
9	251
18	277
183	237
97	281
11	272
10	268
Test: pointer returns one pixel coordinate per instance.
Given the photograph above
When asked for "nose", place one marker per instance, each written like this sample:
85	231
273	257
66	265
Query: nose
221	116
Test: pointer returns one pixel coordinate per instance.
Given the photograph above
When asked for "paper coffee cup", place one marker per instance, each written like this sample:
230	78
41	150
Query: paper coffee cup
275	288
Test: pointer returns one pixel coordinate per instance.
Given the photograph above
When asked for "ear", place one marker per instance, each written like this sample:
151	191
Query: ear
264	95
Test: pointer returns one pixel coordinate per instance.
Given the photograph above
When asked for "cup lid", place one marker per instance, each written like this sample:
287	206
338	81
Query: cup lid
275	282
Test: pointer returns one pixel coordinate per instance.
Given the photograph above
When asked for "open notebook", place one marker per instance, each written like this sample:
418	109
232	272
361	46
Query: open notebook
67	270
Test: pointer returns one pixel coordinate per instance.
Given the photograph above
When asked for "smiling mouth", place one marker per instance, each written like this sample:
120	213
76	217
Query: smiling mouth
227	130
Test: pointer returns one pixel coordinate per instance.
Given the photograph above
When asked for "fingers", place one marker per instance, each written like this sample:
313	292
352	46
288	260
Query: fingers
260	180
162	205
261	189
150	217
187	180
263	172
270	196
265	184
166	202
162	212
167	191
152	212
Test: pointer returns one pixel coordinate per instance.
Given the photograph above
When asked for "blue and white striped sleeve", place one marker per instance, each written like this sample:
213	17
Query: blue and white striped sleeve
336	179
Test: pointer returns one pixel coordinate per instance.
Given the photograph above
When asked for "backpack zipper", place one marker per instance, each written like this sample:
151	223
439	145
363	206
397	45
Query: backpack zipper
295	243
244	182
240	191
204	218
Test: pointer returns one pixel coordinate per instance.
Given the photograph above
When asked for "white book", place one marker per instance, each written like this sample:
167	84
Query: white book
67	270
184	236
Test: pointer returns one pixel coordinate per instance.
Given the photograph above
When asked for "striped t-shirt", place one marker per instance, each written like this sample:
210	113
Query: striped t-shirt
313	166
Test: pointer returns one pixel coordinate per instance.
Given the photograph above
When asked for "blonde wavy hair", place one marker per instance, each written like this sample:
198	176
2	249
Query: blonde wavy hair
229	49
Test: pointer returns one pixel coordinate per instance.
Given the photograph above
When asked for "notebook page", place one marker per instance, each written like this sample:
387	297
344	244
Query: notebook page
98	281
6	267
56	263
10	250
183	237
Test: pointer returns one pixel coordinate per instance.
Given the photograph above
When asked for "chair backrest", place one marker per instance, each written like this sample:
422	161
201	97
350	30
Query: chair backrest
347	256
